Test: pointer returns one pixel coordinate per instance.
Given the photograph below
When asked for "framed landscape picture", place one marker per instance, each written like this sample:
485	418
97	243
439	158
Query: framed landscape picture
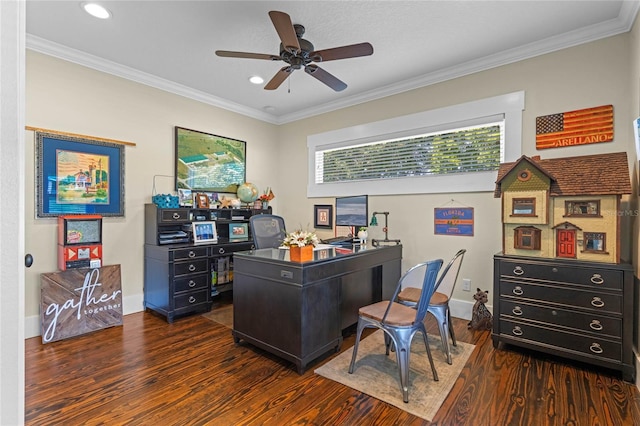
78	176
207	162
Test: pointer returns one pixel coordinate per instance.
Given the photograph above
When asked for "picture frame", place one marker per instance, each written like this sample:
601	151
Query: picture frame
202	200
458	221
323	216
238	232
205	162
78	175
204	232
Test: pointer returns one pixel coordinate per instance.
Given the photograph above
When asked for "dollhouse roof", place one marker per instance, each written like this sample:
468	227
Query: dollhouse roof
600	174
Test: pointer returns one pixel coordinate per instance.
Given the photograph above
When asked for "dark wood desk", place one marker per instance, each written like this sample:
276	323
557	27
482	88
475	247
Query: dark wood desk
297	311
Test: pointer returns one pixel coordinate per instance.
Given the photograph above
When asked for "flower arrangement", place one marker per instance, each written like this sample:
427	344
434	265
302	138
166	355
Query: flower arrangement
300	238
267	196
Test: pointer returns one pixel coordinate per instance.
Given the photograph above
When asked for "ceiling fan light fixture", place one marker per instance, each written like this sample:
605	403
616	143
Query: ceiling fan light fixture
256	79
96	10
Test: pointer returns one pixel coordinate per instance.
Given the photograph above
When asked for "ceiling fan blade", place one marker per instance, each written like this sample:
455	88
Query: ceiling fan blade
344	52
230	54
326	78
285	30
279	78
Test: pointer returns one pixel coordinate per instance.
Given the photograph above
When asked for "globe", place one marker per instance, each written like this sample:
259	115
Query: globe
247	192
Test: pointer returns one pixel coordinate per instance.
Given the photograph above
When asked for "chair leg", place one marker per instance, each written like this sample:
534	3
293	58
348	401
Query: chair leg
402	343
444	336
360	327
451	332
426	344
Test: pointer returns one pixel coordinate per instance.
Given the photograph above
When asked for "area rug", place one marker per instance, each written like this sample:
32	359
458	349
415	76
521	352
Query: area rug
377	375
222	315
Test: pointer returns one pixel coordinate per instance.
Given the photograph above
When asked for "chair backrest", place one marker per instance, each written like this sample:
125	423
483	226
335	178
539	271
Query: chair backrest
449	275
428	271
447	279
267	230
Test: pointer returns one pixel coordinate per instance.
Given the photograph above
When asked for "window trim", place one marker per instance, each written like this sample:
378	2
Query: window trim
536	237
590	250
509	106
568	213
523	200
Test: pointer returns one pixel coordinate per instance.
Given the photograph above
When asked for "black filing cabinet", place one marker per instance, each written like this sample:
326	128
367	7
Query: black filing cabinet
574	309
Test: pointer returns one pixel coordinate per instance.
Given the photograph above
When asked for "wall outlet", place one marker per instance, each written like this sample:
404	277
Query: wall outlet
466	284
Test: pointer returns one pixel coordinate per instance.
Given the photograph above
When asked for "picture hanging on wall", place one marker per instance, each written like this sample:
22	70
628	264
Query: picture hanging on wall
77	175
453	221
207	162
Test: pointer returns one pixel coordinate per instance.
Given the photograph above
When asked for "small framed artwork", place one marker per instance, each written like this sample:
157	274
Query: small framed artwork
202	200
204	232
79	176
323	216
185	198
238	232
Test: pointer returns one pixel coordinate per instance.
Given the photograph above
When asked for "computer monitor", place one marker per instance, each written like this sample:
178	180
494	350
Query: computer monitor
352	211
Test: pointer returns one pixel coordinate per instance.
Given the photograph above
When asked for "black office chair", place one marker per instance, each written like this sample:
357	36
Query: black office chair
267	230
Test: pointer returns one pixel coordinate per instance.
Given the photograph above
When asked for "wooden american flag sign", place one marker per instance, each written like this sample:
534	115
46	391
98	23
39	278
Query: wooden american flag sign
581	127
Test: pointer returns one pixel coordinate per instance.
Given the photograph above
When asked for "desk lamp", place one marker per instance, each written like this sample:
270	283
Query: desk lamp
374	222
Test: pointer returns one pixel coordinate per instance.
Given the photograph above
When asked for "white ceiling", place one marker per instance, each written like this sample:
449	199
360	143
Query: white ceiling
171	44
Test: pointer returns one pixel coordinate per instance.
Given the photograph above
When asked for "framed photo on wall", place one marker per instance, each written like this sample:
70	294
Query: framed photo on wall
323	216
78	176
207	162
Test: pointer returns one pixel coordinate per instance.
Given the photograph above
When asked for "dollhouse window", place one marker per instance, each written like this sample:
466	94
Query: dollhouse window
582	208
595	242
523	207
527	238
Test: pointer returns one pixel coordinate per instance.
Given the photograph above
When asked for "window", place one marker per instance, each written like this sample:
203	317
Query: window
527	238
582	208
595	242
523	207
452	149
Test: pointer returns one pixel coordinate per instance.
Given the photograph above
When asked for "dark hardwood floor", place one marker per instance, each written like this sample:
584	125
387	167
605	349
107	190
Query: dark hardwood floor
191	373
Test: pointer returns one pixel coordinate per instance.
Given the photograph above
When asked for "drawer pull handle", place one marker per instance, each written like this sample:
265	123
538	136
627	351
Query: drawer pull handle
192	254
595	325
518	270
596	348
192	299
221	250
597	279
517	311
192	283
192	267
517	331
518	291
597	302
176	215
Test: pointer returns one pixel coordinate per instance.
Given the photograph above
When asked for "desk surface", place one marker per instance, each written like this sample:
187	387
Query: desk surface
322	253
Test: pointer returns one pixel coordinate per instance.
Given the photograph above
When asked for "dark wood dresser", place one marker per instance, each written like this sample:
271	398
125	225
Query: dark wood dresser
575	309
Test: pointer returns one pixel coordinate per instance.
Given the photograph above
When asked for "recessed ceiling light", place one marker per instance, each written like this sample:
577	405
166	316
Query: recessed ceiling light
94	9
256	79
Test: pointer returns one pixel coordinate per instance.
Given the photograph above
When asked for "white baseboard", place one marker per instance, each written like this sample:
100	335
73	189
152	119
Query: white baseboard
463	309
130	305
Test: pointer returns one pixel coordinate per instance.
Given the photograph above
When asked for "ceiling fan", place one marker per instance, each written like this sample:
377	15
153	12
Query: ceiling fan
298	52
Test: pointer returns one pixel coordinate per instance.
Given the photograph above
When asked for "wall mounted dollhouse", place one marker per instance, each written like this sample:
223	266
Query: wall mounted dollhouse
563	207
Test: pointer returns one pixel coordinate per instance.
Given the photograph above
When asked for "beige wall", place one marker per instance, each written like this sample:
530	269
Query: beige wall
71	98
66	97
581	77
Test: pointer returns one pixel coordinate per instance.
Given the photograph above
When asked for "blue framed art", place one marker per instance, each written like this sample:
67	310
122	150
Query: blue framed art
78	176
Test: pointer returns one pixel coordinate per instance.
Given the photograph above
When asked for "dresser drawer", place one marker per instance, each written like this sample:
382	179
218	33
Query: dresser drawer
592	277
173	216
190	299
583	345
190	253
191	283
190	267
581	322
594	301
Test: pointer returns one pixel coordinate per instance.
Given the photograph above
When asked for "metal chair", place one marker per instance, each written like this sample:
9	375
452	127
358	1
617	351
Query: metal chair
439	303
400	322
267	230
